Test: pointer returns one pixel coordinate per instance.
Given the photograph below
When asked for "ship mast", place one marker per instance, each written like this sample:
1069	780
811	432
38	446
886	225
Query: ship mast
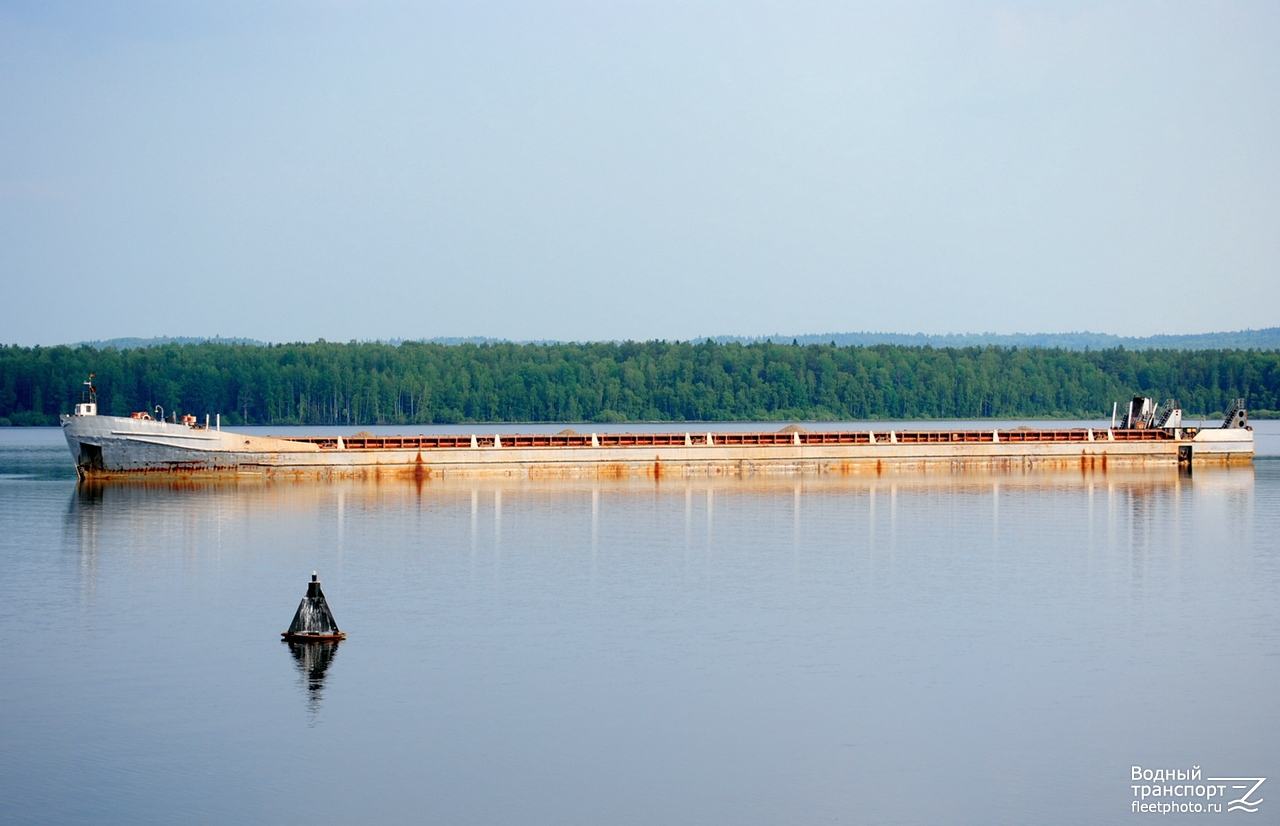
88	405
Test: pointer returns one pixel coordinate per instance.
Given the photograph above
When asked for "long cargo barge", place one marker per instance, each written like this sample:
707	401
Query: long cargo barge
107	447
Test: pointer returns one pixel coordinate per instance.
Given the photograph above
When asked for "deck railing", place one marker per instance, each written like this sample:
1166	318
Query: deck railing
781	439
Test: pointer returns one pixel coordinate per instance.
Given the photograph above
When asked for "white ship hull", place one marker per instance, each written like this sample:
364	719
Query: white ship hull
106	447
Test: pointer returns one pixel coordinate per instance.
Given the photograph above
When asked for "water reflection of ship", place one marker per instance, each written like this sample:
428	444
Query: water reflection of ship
313	660
82	527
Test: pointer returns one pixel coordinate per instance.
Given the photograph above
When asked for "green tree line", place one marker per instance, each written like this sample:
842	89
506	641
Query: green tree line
424	383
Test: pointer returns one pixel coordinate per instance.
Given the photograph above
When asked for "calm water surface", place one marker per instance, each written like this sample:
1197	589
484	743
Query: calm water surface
903	649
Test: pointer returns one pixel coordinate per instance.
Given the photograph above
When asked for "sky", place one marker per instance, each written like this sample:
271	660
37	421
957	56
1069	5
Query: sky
288	171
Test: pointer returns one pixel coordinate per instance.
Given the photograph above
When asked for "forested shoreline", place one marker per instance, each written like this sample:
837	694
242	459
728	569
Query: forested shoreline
425	383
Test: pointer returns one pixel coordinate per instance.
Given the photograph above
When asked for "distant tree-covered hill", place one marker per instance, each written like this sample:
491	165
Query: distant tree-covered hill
327	383
1266	339
134	343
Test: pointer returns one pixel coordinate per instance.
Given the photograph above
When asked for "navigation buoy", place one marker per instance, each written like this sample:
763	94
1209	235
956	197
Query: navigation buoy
313	621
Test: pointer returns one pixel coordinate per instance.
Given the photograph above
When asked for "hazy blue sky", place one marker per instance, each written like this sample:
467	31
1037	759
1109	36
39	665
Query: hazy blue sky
594	170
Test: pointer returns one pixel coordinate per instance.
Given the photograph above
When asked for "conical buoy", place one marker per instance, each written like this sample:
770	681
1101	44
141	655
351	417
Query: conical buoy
314	621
